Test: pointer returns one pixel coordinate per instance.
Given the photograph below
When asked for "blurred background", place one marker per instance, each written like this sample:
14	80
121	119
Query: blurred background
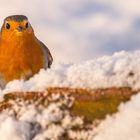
79	30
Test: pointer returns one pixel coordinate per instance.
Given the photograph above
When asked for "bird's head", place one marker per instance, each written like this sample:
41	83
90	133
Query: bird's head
16	26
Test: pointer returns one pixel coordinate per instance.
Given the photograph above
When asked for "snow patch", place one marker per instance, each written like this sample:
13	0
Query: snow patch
119	70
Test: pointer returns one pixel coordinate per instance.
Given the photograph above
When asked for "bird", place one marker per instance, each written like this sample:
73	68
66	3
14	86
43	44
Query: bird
22	54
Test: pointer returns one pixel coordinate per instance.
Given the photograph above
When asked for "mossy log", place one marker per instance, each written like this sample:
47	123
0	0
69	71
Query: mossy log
92	104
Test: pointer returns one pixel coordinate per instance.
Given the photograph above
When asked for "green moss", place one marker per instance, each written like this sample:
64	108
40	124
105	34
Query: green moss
8	97
87	103
98	109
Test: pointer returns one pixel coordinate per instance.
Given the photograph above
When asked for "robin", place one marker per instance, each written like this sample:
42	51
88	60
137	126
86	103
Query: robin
21	54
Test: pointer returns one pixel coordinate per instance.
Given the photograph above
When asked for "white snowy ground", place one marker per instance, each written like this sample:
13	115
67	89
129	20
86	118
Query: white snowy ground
121	69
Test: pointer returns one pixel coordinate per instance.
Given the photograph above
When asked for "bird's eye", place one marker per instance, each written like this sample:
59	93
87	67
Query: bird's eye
7	26
27	25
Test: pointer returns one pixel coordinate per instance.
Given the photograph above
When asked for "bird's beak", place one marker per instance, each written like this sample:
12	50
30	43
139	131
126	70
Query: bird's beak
20	29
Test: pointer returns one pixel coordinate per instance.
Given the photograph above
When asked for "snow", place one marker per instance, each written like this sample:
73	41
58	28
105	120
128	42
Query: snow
32	120
119	70
12	129
123	125
26	121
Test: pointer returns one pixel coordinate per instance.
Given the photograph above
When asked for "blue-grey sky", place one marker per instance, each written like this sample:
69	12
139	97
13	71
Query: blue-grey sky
78	30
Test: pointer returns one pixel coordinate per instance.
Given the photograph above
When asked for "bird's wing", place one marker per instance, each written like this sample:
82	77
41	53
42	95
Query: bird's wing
47	54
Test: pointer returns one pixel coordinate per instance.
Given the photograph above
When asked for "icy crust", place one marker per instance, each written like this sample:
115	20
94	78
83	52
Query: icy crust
42	120
119	70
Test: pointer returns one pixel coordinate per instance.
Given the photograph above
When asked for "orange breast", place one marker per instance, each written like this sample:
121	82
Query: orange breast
20	58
